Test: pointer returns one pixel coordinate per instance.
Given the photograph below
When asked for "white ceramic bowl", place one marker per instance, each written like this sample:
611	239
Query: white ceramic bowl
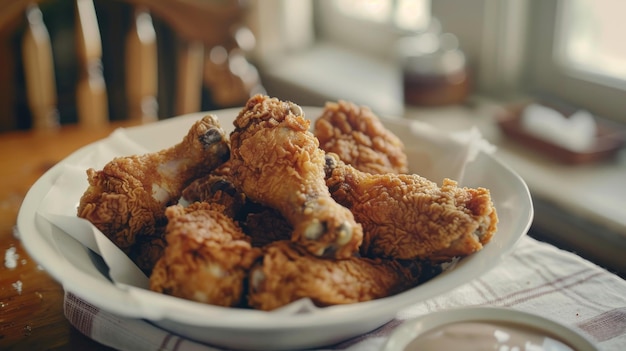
414	328
75	268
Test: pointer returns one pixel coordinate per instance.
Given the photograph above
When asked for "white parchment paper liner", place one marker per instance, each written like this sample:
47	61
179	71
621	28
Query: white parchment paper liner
439	155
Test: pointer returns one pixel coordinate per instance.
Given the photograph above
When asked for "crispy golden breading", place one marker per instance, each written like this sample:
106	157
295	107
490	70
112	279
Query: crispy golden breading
405	216
207	257
359	138
276	161
288	273
128	196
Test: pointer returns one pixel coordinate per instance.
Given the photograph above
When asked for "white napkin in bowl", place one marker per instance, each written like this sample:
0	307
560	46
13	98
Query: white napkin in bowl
59	207
439	154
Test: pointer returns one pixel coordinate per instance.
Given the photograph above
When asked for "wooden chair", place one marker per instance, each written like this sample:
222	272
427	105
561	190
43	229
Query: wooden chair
203	42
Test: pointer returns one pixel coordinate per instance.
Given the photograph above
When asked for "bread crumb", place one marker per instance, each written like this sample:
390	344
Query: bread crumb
10	257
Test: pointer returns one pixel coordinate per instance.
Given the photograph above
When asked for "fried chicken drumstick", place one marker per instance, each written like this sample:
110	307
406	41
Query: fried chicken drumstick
405	216
207	256
288	273
129	195
359	138
277	162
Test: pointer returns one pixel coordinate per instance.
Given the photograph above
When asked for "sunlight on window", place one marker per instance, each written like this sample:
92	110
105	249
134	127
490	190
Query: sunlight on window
412	14
372	10
592	36
405	14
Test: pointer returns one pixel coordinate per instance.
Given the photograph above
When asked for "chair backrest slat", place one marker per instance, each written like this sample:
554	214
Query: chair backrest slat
142	68
91	94
39	71
190	57
156	63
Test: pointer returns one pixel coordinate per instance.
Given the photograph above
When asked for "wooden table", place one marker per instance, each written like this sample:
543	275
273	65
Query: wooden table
31	302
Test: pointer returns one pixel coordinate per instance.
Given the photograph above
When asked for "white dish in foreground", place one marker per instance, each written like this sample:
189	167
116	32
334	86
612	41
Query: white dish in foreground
75	268
504	317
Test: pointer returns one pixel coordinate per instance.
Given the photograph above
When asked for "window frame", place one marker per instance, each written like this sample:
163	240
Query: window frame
548	76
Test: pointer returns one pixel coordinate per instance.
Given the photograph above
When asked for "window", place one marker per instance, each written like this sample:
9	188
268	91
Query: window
571	50
371	26
577	53
404	14
313	51
590	40
375	10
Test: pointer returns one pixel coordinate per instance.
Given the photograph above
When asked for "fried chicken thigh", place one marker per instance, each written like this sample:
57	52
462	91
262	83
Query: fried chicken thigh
288	273
129	195
359	138
277	162
405	216
207	257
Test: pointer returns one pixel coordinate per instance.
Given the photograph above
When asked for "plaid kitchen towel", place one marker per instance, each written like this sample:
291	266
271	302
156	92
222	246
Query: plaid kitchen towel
536	278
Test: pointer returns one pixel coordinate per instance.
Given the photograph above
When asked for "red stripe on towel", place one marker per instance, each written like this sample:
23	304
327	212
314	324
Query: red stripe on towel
80	313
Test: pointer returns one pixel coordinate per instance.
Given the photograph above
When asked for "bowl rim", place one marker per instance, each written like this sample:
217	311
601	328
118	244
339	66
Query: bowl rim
412	328
139	303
